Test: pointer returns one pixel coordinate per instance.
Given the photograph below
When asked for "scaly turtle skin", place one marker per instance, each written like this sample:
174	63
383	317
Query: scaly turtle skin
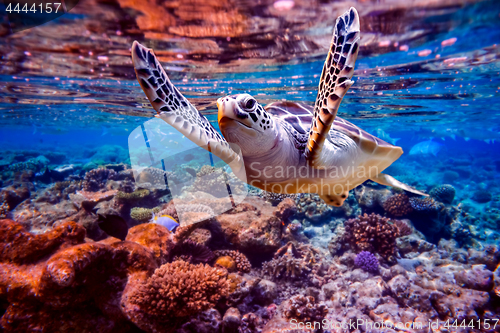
286	147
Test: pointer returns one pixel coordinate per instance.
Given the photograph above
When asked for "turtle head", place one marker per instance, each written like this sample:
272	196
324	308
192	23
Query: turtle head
243	121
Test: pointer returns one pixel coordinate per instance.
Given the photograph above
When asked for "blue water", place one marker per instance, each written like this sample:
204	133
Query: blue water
435	78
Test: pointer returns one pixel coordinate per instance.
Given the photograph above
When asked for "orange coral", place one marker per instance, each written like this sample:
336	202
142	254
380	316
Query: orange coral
226	262
177	289
57	281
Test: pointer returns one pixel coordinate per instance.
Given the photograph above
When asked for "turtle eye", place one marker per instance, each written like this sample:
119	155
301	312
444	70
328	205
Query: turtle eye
250	103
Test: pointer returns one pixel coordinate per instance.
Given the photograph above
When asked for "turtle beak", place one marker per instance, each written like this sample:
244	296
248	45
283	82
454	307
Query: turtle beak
229	116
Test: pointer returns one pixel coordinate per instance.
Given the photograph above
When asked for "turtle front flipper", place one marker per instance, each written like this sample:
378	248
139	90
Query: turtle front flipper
335	81
174	108
384	179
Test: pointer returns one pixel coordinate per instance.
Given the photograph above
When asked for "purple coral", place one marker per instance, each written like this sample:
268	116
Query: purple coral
367	261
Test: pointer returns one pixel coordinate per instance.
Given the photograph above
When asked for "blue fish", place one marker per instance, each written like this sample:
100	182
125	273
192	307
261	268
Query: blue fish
426	148
165	220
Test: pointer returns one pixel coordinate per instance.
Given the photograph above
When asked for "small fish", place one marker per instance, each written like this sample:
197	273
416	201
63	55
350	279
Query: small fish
426	148
165	220
384	136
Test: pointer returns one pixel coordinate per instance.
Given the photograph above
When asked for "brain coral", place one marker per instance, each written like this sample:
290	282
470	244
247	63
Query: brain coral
443	193
371	233
180	289
398	205
425	205
242	263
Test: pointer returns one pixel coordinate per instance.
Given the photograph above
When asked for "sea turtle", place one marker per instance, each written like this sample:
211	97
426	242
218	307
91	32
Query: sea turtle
286	147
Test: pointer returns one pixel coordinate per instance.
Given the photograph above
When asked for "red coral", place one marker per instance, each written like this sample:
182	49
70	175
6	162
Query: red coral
371	233
398	205
56	281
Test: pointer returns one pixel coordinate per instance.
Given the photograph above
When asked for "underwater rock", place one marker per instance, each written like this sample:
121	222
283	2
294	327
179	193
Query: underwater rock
443	193
369	198
208	321
478	278
13	196
489	257
88	200
253	227
231	321
154	237
264	292
482	196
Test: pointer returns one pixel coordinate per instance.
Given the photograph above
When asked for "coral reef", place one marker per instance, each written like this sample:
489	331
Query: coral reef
4	210
242	263
312	207
254	227
60	279
194	252
143	214
366	261
398	205
404	228
427	206
177	289
226	262
305	309
292	262
443	193
371	233
96	179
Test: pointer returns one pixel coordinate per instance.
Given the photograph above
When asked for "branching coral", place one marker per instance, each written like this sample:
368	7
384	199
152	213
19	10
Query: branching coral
96	179
398	205
242	263
443	193
180	289
404	229
371	233
366	261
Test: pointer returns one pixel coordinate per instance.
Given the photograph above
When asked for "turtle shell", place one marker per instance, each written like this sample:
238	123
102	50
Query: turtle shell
297	118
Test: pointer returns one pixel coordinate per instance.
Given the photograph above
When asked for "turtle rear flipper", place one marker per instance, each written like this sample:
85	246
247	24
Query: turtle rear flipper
174	108
335	81
384	179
